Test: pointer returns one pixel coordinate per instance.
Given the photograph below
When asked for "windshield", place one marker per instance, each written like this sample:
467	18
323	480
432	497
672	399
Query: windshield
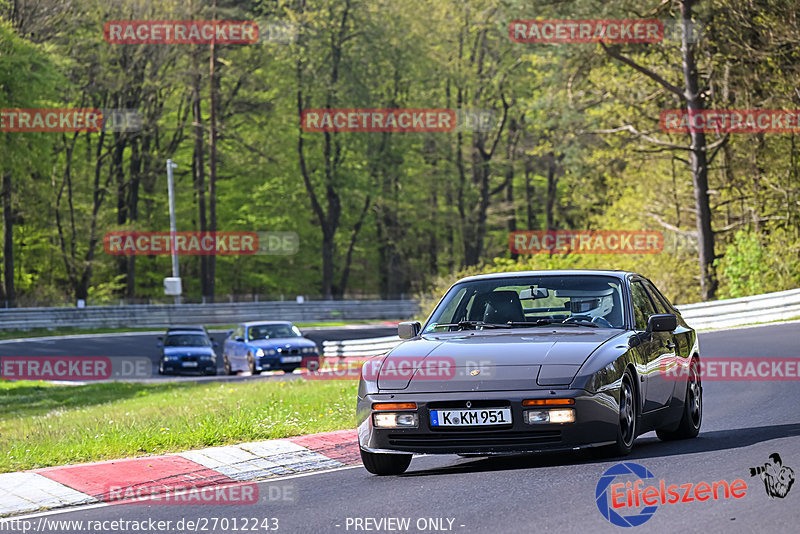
531	301
273	331
187	340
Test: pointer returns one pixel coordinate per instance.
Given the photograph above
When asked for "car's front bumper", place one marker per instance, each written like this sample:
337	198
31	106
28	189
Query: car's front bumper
596	424
274	363
205	366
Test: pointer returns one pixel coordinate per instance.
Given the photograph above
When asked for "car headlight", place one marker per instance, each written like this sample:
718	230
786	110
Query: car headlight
171	358
553	415
394	420
309	350
259	353
208	357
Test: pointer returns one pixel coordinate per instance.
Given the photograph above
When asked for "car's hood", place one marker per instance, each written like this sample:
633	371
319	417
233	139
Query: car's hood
187	351
282	343
475	361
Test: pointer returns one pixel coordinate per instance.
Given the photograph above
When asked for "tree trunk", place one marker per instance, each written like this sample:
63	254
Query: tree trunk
698	161
552	189
213	93
8	241
198	167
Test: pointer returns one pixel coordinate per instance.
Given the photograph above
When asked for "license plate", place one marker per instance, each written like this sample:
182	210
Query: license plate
480	417
189	364
291	359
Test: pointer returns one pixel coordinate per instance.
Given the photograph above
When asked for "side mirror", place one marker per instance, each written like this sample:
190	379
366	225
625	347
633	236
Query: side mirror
214	344
408	329
662	322
228	334
240	338
160	338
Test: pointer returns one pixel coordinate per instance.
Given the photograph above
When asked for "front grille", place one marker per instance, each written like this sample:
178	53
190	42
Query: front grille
289	351
474	438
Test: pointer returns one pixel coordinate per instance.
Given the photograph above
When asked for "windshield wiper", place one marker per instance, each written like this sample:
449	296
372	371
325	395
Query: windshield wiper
545	322
473	324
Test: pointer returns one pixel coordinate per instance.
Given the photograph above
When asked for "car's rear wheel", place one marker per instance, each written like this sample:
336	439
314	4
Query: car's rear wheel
692	417
385	464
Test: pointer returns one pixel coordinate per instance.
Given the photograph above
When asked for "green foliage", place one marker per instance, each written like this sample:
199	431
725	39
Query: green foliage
431	196
753	264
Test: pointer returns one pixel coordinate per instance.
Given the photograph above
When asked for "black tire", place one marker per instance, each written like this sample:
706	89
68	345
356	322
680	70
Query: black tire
211	372
385	464
289	370
227	366
628	420
251	363
692	416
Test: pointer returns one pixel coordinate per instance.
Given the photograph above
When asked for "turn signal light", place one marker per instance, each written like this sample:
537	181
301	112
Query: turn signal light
394	406
548	402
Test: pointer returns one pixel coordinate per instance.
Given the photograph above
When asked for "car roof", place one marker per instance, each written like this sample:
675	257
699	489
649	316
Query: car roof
187	327
254	323
552	272
184	332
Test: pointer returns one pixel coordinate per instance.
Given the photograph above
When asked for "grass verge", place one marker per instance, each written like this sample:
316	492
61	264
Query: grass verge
45	425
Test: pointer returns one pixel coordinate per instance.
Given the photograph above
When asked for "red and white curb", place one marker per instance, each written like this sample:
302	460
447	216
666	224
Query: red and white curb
69	485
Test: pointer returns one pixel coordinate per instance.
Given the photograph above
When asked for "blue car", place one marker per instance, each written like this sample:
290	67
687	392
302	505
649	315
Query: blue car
187	350
267	346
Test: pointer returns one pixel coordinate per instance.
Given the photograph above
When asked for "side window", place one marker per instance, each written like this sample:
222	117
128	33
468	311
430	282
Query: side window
659	304
642	307
659	297
239	332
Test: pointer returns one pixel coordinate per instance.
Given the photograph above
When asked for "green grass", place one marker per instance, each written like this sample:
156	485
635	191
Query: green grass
45	425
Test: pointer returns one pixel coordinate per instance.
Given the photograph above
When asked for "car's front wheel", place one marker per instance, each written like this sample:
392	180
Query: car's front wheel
385	464
626	431
227	366
692	417
251	363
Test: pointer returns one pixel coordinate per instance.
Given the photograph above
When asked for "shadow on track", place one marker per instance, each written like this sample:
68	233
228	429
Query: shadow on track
645	448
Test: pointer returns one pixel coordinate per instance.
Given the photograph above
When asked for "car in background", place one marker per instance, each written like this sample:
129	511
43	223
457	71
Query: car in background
193	328
267	346
187	350
536	361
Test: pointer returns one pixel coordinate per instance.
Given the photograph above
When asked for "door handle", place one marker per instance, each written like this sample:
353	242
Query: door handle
670	345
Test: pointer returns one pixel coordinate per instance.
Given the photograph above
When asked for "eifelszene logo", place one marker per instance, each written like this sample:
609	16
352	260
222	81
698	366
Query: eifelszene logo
630	494
777	478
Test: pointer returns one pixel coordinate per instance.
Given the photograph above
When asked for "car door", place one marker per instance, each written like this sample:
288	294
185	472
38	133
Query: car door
654	349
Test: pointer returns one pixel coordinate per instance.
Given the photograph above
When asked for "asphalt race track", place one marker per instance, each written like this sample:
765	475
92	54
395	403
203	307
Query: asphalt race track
744	422
136	345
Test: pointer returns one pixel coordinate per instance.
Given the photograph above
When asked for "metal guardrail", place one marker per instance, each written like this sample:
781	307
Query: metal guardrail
158	316
768	307
764	308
